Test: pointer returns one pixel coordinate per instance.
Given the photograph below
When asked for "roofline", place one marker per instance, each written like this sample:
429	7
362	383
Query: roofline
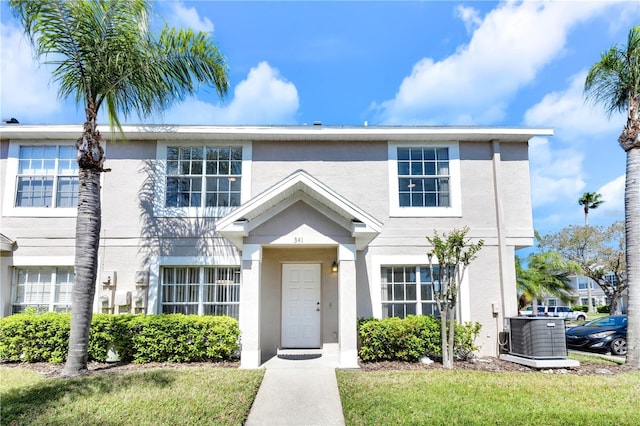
284	133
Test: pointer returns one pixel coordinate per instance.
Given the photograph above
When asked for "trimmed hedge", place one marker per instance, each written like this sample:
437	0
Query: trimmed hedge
411	338
31	337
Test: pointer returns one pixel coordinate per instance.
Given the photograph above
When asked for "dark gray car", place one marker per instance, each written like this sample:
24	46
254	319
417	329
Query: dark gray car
606	334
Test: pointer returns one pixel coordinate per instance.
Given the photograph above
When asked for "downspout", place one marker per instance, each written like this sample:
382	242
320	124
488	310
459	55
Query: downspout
502	245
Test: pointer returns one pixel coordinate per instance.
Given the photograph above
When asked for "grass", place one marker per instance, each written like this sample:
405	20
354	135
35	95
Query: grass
189	396
465	397
596	358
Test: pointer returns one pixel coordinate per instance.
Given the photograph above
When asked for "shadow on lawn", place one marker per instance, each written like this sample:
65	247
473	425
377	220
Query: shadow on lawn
33	404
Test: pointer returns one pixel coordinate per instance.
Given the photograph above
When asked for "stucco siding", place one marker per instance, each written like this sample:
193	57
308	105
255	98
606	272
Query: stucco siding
339	209
356	170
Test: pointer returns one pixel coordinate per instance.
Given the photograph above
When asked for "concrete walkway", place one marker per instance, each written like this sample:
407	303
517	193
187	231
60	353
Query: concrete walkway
299	388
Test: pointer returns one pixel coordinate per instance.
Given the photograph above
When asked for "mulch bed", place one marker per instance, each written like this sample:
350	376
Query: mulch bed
480	364
499	365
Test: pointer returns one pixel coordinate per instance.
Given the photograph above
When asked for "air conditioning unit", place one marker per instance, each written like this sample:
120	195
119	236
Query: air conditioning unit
537	337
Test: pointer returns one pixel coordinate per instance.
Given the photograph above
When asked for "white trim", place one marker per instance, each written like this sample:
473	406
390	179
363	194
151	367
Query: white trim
158	132
455	194
215	260
159	208
19	261
13	284
9	208
156	262
375	283
238	224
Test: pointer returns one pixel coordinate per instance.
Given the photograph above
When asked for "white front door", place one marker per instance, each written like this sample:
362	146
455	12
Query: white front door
301	306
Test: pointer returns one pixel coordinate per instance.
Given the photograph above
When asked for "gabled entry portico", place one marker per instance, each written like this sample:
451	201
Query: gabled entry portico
298	226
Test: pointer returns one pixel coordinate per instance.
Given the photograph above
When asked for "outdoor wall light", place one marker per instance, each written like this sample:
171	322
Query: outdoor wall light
334	266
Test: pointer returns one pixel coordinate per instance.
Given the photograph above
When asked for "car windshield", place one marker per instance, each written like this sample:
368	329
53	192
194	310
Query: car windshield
607	322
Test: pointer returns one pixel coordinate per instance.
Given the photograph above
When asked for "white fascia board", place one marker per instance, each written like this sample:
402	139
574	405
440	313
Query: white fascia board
283	133
229	226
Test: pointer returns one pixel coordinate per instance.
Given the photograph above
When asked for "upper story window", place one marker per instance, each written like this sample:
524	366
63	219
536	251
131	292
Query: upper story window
612	279
202	180
583	282
424	179
47	177
203	176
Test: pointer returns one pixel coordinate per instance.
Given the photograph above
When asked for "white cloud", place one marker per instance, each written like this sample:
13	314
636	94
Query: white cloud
26	93
506	51
470	17
569	113
613	195
555	174
264	97
188	17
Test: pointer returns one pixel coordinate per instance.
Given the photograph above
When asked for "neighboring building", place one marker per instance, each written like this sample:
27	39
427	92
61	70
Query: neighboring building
295	231
598	297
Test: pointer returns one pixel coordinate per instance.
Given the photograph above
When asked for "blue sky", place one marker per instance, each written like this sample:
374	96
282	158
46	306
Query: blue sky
397	63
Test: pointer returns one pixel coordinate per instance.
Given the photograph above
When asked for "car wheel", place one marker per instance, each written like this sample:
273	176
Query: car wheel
582	318
619	346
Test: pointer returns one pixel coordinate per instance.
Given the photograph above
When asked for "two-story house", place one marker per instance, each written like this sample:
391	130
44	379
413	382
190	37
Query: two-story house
296	231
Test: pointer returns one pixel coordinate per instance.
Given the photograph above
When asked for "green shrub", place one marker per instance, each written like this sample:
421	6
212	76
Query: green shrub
31	337
411	338
604	309
107	330
580	308
184	338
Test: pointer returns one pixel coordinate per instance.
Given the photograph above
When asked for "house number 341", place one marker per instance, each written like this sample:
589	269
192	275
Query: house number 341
297	240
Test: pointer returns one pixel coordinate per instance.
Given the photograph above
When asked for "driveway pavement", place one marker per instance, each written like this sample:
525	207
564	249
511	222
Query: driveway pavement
299	388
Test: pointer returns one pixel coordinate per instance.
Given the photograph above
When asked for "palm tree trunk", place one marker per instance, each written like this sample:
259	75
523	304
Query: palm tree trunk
632	238
87	242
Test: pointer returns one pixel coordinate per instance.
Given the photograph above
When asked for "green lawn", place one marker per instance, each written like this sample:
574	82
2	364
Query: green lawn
189	396
462	397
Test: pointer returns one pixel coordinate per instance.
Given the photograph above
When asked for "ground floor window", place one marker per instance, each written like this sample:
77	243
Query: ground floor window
42	288
407	290
201	290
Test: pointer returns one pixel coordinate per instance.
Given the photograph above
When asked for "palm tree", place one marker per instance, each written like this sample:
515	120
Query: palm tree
546	274
105	54
590	201
614	81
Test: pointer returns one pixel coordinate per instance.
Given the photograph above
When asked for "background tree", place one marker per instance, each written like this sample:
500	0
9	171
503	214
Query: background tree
589	201
600	254
453	253
614	81
105	54
546	274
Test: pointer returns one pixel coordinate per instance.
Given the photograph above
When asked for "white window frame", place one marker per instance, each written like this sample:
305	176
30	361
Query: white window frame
53	301
201	284
160	208
154	305
11	179
418	301
455	195
375	283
